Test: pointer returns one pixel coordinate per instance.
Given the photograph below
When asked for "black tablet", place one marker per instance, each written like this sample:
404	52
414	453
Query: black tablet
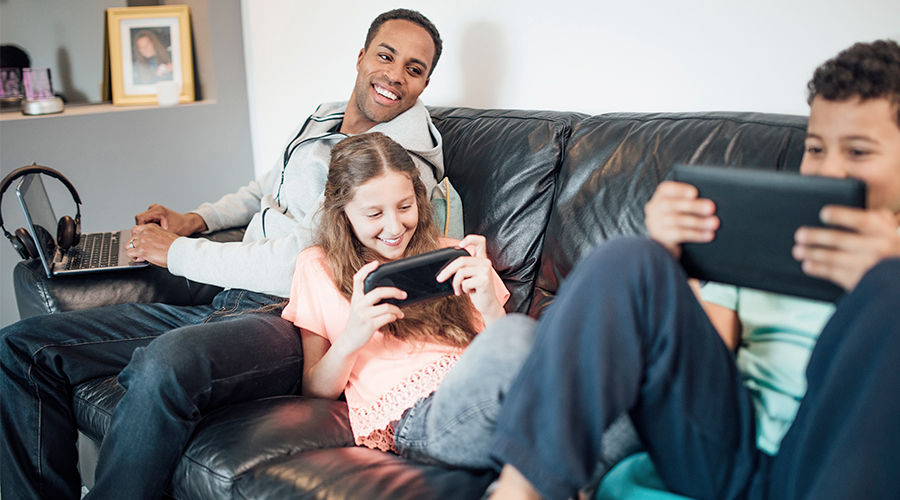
416	276
759	212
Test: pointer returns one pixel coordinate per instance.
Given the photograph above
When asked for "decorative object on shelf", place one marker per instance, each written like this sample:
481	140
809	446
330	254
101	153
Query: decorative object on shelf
39	97
148	46
11	86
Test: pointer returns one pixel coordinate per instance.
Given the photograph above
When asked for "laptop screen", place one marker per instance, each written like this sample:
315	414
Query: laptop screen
39	216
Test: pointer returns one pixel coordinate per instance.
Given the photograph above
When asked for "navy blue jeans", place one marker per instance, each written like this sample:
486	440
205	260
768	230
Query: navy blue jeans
626	334
177	363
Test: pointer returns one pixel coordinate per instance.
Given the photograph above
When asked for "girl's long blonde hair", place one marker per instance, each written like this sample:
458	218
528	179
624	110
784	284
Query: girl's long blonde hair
354	161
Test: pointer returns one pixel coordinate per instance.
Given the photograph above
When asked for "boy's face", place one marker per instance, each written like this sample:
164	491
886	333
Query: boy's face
858	139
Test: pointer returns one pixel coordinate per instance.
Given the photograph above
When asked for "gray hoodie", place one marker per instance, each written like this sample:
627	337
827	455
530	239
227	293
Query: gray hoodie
279	209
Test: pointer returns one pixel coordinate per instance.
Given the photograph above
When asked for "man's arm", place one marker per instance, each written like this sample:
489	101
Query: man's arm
159	227
238	208
264	266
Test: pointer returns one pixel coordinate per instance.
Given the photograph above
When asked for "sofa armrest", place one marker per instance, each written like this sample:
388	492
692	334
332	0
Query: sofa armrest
36	294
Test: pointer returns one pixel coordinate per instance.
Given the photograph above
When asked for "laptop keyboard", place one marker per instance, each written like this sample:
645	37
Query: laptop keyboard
95	250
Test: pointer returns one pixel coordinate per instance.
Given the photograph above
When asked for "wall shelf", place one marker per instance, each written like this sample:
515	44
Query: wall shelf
93	109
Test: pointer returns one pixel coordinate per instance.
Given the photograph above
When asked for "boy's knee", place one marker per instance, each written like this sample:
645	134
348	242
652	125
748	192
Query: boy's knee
632	249
883	280
619	265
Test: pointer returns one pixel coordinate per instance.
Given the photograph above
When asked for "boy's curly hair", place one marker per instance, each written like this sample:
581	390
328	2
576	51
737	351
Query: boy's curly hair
865	70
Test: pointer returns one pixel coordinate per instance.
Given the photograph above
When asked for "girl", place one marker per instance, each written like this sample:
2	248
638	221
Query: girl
389	361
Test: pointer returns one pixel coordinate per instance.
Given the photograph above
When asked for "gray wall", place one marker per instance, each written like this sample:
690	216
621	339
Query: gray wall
66	37
122	160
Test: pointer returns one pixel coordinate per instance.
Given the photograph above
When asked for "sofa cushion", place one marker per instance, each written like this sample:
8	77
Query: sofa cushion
354	473
613	163
504	164
283	447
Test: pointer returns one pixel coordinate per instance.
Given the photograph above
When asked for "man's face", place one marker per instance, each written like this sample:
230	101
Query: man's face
858	139
391	74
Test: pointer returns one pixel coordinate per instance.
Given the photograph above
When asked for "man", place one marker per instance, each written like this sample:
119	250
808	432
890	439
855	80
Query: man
178	363
764	424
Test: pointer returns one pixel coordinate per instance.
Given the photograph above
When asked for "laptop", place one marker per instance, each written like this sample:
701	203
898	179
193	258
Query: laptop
94	252
759	211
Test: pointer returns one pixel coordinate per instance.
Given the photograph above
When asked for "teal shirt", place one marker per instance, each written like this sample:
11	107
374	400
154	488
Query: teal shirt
778	334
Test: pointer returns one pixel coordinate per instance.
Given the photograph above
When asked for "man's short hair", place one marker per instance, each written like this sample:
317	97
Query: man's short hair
865	70
412	16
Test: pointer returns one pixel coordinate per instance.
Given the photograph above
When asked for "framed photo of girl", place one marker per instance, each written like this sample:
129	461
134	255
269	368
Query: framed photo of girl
149	48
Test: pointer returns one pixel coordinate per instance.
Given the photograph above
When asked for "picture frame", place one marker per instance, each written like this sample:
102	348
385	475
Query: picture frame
149	45
11	88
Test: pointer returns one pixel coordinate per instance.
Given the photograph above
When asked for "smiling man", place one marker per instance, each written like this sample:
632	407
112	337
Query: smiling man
179	363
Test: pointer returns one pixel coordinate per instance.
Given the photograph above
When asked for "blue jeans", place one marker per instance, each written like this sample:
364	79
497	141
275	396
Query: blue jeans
627	334
453	426
177	363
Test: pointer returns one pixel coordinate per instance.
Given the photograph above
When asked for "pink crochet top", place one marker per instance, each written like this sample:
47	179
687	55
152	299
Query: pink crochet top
389	375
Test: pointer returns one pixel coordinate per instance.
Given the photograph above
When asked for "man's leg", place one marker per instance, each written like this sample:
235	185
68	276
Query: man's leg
845	440
42	359
627	334
182	375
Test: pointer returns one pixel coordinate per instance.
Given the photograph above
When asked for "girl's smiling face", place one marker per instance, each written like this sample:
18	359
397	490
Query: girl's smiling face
384	214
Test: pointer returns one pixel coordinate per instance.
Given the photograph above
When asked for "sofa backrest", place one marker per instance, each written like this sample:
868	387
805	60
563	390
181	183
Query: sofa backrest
504	164
546	187
614	162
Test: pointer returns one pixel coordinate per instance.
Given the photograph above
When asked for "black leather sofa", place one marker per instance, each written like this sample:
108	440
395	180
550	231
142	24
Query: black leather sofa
542	186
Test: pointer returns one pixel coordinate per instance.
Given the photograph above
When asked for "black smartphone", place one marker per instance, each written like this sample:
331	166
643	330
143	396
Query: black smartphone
416	276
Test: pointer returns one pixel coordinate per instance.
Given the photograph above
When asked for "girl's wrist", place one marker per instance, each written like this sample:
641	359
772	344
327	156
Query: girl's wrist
494	314
343	348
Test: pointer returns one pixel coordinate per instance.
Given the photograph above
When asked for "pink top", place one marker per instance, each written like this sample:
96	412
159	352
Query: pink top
390	375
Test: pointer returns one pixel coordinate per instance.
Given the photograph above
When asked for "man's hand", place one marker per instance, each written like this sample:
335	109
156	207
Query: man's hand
178	223
674	215
150	243
843	257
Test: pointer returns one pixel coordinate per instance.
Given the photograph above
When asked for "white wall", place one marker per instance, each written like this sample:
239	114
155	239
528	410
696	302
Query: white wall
588	56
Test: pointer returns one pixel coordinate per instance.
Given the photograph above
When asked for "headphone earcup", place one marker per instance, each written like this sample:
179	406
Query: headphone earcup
24	244
67	233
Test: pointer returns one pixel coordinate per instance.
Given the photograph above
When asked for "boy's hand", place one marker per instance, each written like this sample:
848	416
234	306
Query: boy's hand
675	215
843	257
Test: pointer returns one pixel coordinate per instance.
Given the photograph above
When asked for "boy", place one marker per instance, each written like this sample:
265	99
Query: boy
719	426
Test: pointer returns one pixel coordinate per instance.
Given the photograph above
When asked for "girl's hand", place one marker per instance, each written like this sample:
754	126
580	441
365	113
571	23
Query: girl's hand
366	314
474	277
675	215
843	257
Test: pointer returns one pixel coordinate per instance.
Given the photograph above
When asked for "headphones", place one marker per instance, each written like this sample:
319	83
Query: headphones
68	230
